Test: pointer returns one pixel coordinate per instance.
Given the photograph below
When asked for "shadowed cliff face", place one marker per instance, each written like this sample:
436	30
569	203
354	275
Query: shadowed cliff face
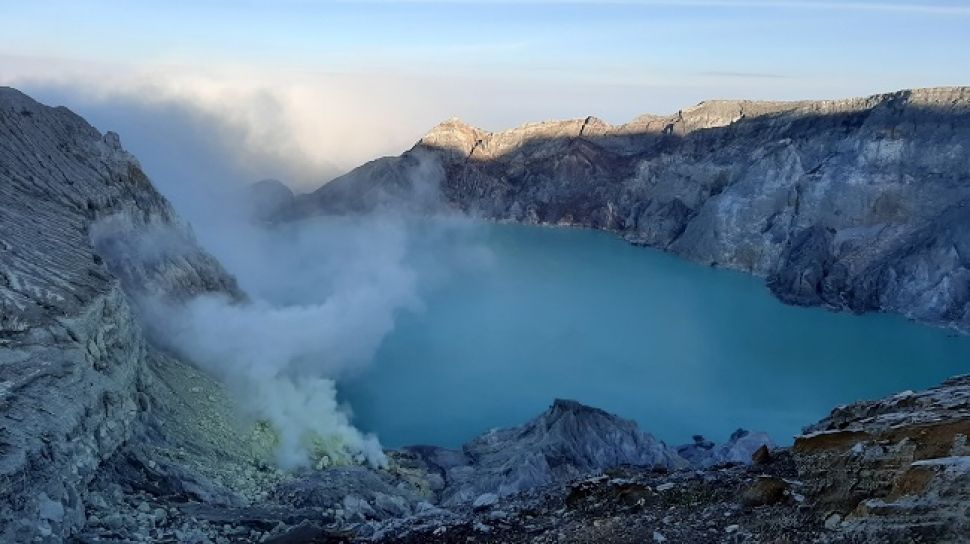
853	204
73	361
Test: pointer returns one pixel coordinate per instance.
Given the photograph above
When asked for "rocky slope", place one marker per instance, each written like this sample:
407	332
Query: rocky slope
897	464
73	361
106	438
856	204
567	441
150	491
891	470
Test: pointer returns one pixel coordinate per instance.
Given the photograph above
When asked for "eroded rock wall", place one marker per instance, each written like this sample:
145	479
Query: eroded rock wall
73	360
894	466
857	204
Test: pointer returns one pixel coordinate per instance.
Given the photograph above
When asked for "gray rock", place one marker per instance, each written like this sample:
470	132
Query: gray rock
357	490
739	448
50	510
498	515
358	509
114	521
567	441
482	528
484	501
73	360
856	204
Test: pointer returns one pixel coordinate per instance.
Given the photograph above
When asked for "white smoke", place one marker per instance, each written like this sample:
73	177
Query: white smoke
323	294
281	359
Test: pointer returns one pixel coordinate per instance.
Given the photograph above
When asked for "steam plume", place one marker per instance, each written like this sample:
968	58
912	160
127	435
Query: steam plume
323	295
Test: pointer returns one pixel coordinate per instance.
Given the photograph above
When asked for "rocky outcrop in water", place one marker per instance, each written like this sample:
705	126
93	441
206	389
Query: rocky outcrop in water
856	204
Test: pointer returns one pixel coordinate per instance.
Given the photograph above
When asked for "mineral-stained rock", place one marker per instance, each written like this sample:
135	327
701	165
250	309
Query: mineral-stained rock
485	501
892	463
765	491
761	456
856	204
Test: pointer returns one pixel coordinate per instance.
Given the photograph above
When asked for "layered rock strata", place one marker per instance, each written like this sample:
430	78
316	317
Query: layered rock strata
856	204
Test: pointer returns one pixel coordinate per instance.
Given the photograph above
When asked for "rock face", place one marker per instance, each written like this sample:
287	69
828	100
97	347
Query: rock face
855	204
896	465
267	197
104	438
563	443
73	361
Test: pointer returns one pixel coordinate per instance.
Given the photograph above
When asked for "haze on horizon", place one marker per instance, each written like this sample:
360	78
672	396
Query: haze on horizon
324	85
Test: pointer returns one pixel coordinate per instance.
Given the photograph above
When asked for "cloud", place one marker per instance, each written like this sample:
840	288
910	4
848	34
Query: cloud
305	129
225	127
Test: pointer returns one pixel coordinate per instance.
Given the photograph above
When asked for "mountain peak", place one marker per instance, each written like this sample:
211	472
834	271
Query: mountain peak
453	134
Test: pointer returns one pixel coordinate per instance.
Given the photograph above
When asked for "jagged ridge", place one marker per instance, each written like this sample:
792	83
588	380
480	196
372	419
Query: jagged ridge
73	361
854	204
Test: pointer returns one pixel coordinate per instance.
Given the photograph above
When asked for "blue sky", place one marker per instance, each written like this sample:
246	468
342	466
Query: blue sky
380	73
613	42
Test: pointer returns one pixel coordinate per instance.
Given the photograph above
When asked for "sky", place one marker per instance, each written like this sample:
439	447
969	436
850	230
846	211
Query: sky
302	90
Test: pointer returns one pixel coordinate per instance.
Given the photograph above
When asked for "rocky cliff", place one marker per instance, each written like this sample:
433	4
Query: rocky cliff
856	204
895	464
106	438
73	362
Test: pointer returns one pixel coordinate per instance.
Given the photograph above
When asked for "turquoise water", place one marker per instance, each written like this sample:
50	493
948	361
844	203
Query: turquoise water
678	347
